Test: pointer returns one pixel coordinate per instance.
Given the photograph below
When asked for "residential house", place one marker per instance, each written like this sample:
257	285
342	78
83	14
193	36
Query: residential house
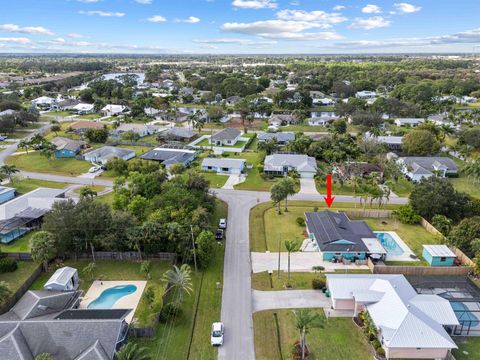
141	130
282	164
323	102
339	238
409	325
282	120
224	165
177	134
45	103
438	255
105	153
366	95
114	110
150	111
84	109
6	194
7	112
24	213
225	137
83	125
68	104
49	322
393	143
417	168
281	138
168	156
233	100
361	169
412	122
322	119
67	148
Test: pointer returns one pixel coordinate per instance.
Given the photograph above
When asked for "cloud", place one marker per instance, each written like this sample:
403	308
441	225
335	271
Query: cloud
40	30
406	8
102	13
374	22
314	16
15	40
157	19
338	7
89	1
75	36
234	41
255	4
371	9
144	2
189	20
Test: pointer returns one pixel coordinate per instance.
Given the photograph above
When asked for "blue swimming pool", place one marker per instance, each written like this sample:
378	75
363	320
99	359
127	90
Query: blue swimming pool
464	315
110	296
389	243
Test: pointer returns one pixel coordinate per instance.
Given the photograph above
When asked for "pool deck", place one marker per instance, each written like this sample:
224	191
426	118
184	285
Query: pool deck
406	250
127	302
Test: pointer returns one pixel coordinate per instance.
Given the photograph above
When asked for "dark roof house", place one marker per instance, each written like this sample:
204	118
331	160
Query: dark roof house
169	156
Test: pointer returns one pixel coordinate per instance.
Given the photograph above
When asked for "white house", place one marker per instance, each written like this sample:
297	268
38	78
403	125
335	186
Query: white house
365	95
45	102
114	110
226	137
412	122
224	165
417	168
322	119
64	279
83	108
409	325
281	164
323	102
105	153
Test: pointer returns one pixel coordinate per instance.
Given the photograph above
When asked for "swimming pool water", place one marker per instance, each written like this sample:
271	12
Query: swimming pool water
110	296
464	315
389	243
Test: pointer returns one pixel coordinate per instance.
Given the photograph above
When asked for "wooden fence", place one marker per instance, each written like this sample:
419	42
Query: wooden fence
381	268
104	255
360	213
12	300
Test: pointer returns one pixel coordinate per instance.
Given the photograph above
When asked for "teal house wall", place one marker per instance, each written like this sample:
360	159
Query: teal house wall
437	260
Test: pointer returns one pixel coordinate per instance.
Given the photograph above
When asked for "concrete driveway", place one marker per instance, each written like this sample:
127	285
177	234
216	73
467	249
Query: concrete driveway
289	299
233	180
307	187
299	261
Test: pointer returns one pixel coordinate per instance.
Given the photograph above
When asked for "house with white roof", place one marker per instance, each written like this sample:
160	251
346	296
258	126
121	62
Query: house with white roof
224	165
409	325
114	110
412	122
45	102
365	95
83	108
417	168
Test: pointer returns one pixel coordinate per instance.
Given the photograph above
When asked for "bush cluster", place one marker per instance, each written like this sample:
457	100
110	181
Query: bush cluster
8	265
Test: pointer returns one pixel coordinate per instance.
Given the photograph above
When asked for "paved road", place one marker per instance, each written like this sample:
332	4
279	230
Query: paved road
289	299
236	298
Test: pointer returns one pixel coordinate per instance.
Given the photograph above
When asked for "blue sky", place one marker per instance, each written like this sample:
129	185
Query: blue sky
239	26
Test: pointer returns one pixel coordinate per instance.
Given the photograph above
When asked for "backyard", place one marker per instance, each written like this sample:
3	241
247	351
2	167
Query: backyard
16	279
466	185
21	244
468	348
36	162
267	227
339	339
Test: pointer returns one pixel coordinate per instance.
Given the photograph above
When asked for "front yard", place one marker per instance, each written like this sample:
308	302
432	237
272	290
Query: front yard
267	227
26	185
466	185
35	162
339	339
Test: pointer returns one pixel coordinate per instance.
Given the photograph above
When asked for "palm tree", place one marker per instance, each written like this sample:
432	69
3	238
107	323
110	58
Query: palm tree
9	171
4	291
291	246
472	170
304	321
132	351
24	144
180	279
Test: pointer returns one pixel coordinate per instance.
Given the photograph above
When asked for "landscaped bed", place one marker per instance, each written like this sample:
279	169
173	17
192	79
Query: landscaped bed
339	339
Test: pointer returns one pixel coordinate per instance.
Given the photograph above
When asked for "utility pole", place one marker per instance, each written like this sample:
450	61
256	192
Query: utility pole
193	248
279	244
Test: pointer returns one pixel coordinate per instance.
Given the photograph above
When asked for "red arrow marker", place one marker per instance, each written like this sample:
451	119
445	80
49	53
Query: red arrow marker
329	199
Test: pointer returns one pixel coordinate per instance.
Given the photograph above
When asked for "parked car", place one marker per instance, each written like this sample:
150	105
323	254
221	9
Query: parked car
216	337
222	224
94	169
219	234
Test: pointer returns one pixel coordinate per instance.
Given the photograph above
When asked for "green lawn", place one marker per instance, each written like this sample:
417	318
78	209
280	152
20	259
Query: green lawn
19	245
413	235
267	227
90	116
59	113
466	185
64	126
26	185
35	162
254	181
304	128
339	339
18	277
172	340
346	189
107	198
402	187
118	270
139	150
471	345
216	180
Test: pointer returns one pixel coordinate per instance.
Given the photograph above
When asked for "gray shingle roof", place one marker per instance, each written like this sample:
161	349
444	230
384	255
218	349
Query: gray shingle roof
62	276
329	227
280	137
276	162
224	162
67	144
109	152
227	134
170	156
430	162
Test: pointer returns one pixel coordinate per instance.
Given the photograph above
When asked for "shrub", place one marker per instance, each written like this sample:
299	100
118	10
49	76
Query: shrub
376	344
169	311
380	351
407	215
318	284
300	221
7	265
